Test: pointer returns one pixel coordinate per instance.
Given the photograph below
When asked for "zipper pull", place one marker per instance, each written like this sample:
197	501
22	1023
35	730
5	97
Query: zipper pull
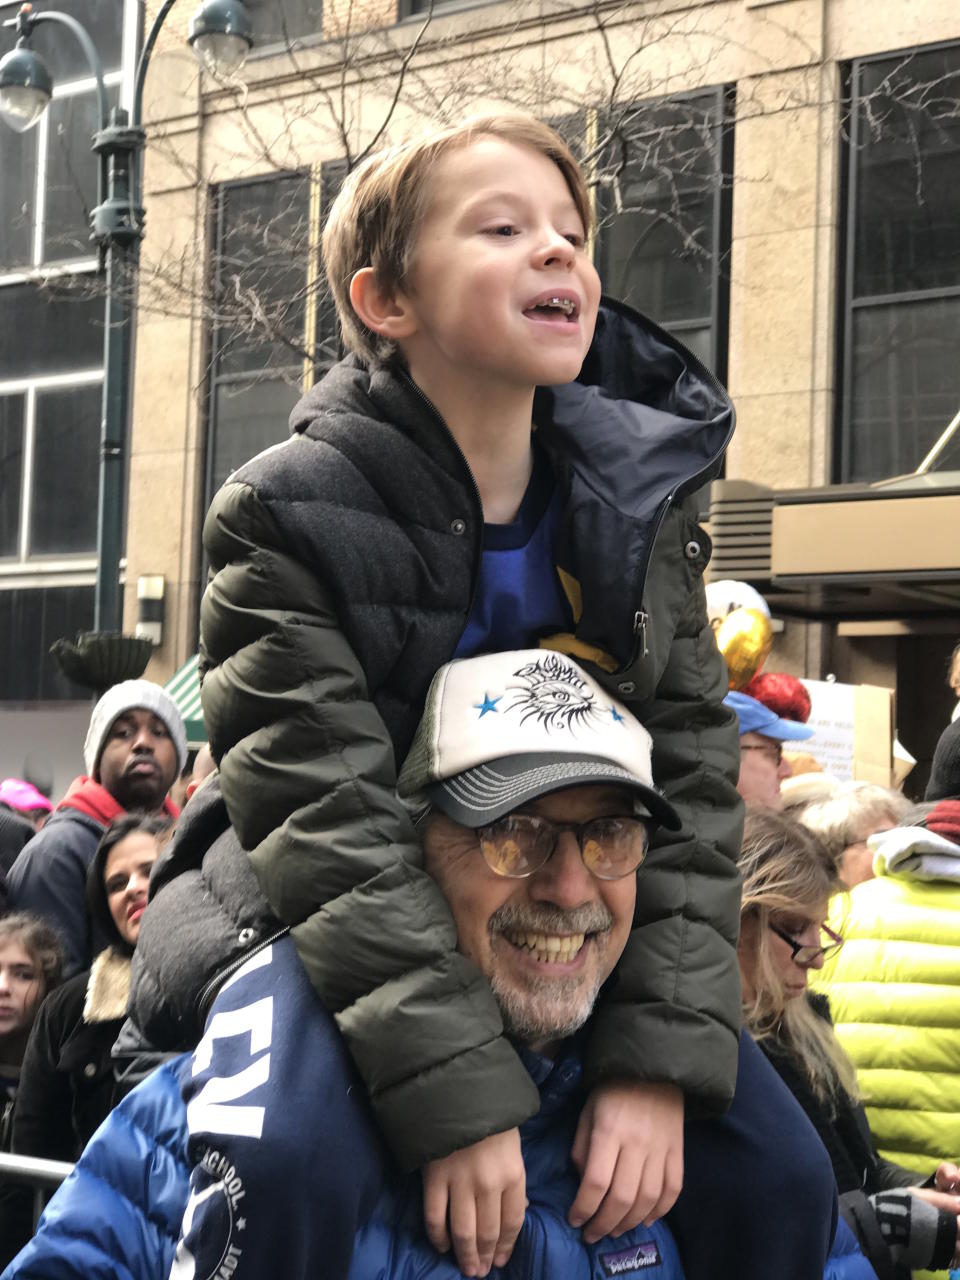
640	620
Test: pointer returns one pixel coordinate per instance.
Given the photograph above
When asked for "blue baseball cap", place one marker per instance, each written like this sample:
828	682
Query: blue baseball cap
755	717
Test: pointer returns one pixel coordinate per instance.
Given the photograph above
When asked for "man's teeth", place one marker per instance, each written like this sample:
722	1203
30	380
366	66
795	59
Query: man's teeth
557	948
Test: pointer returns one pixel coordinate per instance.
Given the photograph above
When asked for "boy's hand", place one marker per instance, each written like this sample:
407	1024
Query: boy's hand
482	1192
629	1152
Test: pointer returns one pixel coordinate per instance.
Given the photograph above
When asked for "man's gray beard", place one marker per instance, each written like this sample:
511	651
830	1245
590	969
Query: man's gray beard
547	1008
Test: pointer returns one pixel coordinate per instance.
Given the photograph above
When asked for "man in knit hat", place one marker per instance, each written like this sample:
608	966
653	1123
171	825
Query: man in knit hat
135	747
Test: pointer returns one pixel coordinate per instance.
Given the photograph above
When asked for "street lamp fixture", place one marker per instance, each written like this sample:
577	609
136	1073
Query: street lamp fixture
26	87
221	34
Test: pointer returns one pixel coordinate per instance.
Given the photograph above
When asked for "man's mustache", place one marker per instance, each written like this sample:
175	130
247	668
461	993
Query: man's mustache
592	917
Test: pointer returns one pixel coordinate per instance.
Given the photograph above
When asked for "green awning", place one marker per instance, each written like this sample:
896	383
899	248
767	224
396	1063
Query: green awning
184	689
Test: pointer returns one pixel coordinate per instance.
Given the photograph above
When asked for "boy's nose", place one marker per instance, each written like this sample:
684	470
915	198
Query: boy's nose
556	249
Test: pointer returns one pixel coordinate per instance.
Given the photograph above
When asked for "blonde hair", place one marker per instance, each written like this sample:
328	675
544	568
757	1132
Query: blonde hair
785	868
375	221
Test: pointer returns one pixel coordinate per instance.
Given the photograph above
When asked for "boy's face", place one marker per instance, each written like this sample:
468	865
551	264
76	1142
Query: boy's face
502	289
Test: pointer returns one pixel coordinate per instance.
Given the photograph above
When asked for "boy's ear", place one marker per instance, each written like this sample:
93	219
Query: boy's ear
388	314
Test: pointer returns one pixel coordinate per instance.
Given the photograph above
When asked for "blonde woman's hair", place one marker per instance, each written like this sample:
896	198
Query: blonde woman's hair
786	868
375	221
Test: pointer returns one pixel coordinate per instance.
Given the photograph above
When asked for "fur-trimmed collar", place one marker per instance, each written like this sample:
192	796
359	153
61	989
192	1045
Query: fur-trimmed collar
108	988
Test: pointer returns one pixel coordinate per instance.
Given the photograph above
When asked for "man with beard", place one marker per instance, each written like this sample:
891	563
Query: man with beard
135	747
531	788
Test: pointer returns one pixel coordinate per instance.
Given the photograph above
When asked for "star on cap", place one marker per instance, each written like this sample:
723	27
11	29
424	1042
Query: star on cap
488	704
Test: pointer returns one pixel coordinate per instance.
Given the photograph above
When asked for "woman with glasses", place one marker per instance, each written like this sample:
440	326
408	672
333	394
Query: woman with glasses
788	880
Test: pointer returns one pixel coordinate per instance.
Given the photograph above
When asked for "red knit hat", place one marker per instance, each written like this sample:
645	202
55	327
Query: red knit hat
783	694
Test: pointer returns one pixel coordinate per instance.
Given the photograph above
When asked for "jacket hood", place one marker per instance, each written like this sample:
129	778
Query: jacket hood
652	419
90	798
671	418
95	801
915	853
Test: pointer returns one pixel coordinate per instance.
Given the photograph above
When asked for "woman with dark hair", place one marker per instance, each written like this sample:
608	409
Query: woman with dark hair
68	1083
788	879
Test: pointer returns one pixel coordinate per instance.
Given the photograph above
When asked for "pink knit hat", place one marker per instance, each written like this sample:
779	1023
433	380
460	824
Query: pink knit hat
23	795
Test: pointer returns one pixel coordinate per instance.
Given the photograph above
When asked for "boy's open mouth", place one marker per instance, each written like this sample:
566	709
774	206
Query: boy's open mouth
553	306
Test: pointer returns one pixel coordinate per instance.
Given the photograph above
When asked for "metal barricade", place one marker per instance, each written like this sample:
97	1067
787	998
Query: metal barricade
44	1176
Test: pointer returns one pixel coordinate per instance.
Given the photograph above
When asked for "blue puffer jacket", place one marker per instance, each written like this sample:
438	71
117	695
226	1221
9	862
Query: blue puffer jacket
282	1172
846	1261
118	1215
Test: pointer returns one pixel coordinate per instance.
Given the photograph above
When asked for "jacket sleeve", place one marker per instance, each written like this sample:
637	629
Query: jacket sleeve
49	879
672	1012
117	1216
43	1117
309	780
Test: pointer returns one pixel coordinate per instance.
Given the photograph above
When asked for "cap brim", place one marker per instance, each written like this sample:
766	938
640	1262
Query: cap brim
786	730
488	791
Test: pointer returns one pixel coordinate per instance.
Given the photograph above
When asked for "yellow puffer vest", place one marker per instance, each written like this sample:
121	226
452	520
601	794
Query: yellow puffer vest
894	992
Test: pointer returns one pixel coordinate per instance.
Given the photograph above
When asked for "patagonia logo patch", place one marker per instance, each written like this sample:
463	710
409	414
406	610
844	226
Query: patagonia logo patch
637	1258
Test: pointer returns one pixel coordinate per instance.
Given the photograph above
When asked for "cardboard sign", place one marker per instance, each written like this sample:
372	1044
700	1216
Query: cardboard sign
853	731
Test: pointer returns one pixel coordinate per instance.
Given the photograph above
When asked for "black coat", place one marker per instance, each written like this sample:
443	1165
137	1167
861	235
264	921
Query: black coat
67	1082
14	834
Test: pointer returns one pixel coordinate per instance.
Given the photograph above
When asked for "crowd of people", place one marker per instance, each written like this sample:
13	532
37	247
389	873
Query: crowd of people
458	958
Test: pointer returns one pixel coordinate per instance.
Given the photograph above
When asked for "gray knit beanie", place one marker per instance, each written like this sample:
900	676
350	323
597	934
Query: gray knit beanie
128	696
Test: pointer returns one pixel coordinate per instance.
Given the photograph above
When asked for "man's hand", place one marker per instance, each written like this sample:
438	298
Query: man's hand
481	1192
946	1197
629	1152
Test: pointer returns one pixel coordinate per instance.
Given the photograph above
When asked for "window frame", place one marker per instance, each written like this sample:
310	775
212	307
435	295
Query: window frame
324	179
846	265
25	570
722	98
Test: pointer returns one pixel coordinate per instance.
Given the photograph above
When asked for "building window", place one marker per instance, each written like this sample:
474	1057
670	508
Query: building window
900	328
407	8
49	173
274	329
51	355
663	206
286	23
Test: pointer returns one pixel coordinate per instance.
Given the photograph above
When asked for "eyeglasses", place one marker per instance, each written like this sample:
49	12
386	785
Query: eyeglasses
802	953
521	843
774	750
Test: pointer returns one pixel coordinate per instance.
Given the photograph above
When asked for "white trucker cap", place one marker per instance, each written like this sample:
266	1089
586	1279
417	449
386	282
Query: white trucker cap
504	728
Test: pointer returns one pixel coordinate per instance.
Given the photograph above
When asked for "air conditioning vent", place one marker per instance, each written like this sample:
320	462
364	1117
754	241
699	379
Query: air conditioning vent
741	517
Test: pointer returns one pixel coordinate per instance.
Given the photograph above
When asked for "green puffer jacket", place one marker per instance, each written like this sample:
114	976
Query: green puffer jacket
894	989
343	568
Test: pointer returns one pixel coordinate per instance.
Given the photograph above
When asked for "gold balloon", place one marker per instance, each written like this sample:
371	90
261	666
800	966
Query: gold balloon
744	638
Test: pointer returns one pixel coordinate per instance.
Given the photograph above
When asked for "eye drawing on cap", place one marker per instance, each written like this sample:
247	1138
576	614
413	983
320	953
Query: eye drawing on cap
554	692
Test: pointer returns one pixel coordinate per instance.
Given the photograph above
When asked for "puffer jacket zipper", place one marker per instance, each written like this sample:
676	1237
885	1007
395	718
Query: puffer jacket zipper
208	993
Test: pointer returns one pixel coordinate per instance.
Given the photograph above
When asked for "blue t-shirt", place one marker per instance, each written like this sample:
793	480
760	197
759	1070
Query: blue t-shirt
518	596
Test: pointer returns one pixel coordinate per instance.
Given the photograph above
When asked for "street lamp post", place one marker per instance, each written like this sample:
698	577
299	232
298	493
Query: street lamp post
221	36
